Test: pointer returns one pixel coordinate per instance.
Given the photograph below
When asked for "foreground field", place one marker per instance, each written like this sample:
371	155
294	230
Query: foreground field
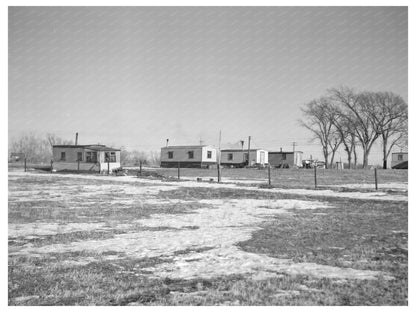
82	240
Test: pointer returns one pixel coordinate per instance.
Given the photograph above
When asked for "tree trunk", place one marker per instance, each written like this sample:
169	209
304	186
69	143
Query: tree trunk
385	153
349	159
326	155
365	158
332	160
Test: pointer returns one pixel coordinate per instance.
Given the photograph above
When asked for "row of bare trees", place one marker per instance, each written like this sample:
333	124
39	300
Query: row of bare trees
135	157
37	148
344	117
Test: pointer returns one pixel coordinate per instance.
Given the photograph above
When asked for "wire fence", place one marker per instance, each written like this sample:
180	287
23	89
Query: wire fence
266	177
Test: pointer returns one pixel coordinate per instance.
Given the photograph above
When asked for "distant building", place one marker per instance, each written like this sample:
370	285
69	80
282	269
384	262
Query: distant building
15	157
285	159
239	158
399	160
92	157
188	156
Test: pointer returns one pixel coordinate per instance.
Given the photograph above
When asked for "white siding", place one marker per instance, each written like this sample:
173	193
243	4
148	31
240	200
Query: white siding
238	157
213	151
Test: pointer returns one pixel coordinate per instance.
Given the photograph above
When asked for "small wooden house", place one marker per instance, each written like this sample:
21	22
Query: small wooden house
189	156
239	158
285	159
92	157
399	160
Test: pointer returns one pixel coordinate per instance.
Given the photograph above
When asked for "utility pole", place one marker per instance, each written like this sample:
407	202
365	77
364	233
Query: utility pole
219	158
248	155
294	144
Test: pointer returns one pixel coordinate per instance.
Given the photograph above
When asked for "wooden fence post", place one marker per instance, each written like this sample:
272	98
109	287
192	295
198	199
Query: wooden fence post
219	172
78	165
375	177
270	181
108	167
140	164
316	181
25	164
179	170
51	165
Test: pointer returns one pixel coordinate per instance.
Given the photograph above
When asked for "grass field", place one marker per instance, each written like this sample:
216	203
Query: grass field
107	240
289	178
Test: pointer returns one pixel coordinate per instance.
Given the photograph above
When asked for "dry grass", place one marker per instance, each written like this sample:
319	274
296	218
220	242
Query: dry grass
300	249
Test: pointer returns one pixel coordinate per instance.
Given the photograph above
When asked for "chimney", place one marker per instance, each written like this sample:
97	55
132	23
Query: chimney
76	138
281	150
242	145
167	142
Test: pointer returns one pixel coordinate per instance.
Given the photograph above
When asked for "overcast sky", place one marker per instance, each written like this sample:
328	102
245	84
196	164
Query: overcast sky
135	76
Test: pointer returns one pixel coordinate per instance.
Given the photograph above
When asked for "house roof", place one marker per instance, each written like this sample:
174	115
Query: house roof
400	153
187	146
285	152
94	147
240	150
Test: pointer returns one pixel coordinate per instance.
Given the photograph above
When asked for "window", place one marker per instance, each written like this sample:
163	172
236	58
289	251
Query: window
63	155
400	157
91	157
191	154
283	156
113	157
170	155
209	154
110	156
230	156
79	156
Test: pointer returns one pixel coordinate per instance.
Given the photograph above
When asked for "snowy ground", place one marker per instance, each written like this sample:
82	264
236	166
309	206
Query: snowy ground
209	234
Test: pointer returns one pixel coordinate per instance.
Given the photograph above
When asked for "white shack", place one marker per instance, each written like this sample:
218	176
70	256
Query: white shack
239	158
92	157
188	156
399	160
285	159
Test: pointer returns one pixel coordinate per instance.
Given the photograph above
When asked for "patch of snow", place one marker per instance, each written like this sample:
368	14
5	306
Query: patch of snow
30	230
218	228
171	185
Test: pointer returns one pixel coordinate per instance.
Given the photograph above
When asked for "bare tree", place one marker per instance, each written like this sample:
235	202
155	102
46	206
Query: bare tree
53	139
154	158
124	156
391	116
319	121
346	132
138	157
362	107
34	147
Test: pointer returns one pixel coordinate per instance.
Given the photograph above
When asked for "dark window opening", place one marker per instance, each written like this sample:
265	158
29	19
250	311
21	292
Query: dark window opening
209	154
283	156
63	156
191	154
91	157
170	155
230	157
79	156
400	157
110	156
